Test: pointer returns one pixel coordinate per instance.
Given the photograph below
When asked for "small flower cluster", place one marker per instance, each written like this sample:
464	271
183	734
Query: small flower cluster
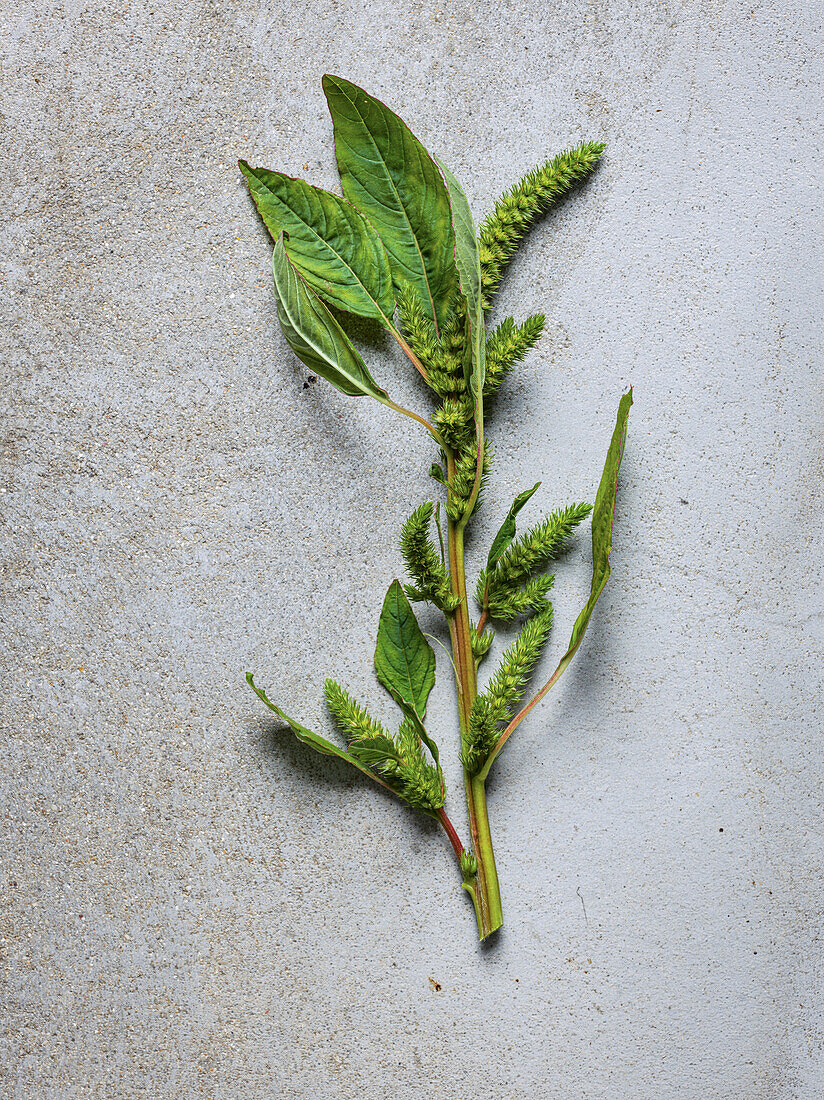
508	345
516	210
496	703
423	562
399	760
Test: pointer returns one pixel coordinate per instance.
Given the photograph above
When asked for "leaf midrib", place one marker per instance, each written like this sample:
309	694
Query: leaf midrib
413	701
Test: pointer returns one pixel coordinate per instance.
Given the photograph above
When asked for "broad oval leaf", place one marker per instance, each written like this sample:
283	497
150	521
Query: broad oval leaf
315	336
332	245
508	529
389	176
404	659
320	744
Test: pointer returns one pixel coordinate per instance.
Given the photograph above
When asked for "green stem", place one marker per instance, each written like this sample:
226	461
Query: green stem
479	471
492	916
486	893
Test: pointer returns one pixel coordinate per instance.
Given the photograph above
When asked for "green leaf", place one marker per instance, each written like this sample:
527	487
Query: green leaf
468	263
376	751
467	259
320	744
389	176
315	336
404	660
331	244
603	514
506	534
420	728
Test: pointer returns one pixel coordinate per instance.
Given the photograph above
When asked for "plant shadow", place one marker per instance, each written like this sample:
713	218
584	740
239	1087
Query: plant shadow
288	755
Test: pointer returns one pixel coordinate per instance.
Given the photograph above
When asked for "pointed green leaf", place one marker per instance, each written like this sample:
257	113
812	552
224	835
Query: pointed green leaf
389	176
315	336
404	660
603	514
331	244
468	263
320	744
508	529
420	729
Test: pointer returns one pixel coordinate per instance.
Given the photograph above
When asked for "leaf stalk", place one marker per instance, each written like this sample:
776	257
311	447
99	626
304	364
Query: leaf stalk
433	431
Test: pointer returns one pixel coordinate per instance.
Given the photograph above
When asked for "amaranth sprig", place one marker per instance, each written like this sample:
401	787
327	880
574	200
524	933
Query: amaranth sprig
401	249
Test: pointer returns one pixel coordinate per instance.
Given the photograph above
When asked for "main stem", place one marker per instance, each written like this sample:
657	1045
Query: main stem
486	894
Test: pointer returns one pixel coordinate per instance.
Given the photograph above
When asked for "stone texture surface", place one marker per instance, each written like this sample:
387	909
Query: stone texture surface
193	905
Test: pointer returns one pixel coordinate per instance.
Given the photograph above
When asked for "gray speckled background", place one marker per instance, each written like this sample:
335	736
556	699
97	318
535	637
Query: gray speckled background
192	904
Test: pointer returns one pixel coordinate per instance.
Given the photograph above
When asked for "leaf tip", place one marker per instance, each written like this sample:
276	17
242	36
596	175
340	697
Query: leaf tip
330	82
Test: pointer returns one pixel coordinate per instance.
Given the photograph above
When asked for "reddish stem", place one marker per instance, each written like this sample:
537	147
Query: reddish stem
449	828
479	629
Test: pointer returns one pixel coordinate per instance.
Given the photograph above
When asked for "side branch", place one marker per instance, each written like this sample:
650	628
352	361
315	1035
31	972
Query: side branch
519	717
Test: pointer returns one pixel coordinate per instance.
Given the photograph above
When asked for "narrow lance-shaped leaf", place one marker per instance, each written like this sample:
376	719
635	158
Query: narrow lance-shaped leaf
331	244
320	744
507	531
315	336
404	660
389	176
603	514
468	264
